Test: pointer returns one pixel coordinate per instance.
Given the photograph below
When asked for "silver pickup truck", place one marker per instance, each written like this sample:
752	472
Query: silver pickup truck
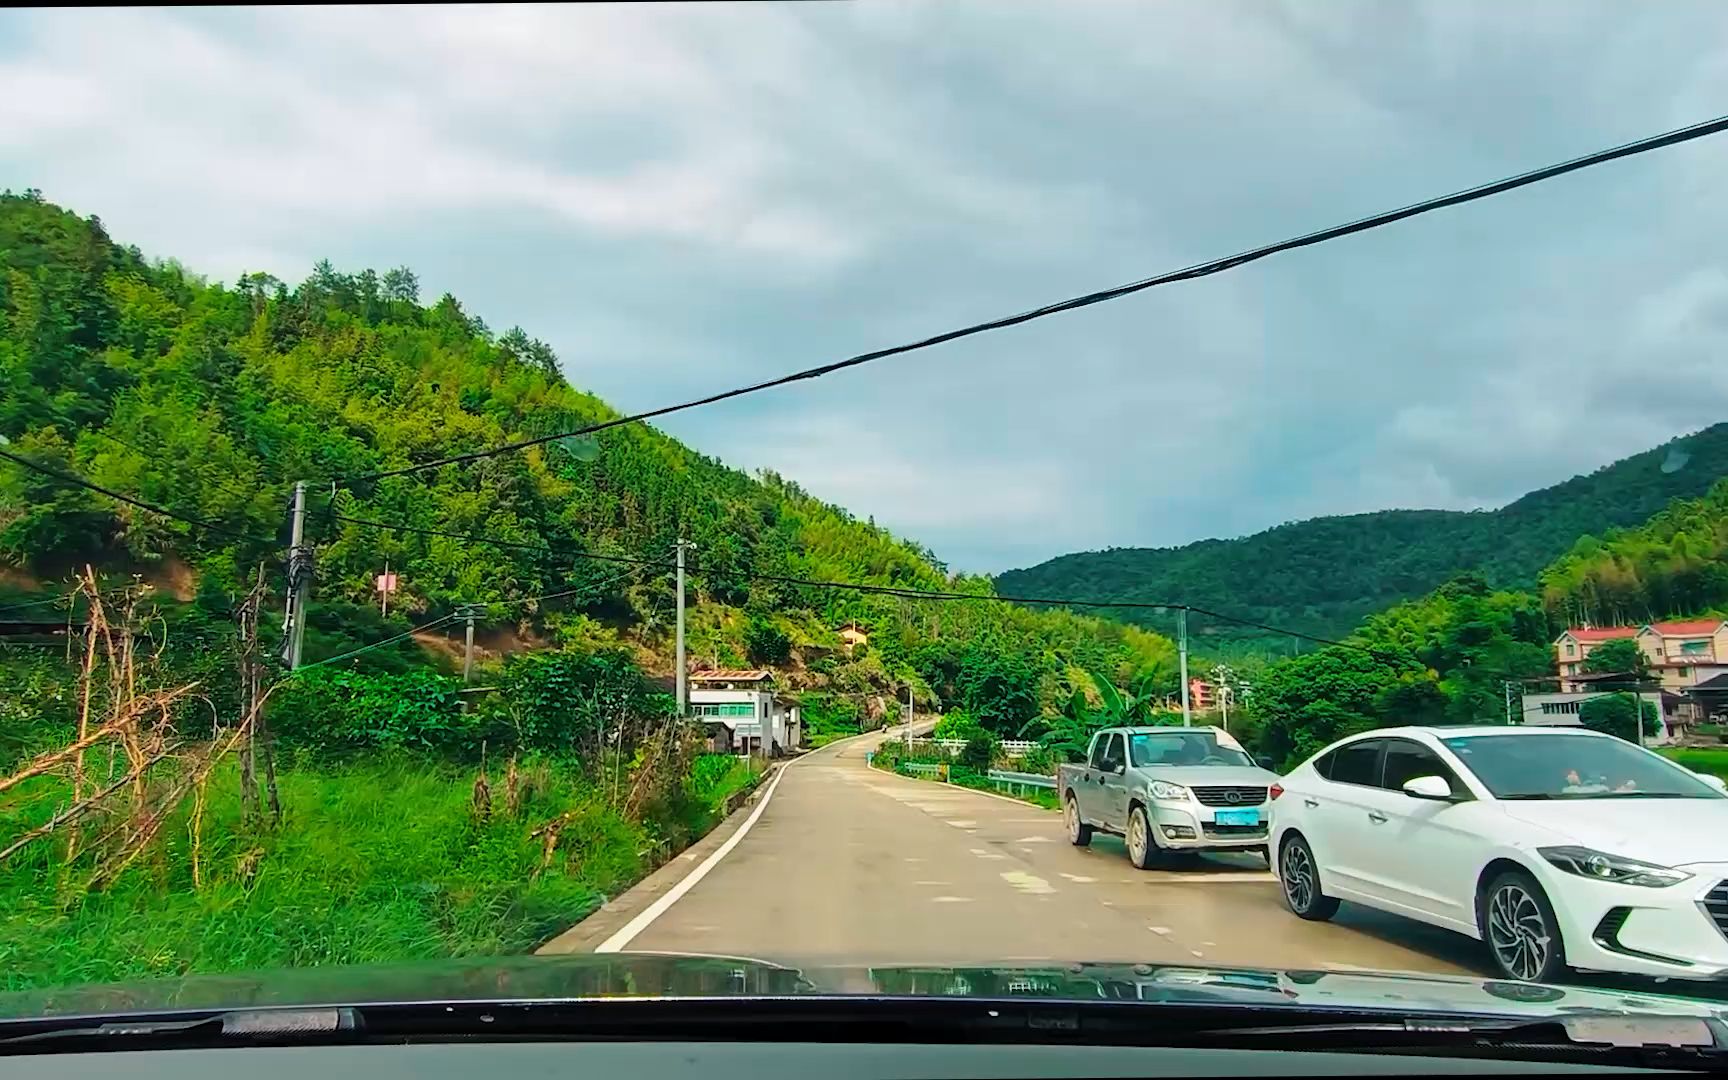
1167	790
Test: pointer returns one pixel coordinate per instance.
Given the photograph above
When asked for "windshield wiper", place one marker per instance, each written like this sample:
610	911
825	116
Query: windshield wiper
1704	1042
239	1025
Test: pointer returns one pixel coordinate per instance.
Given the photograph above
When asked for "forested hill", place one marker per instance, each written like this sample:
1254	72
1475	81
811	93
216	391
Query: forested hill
1325	575
210	399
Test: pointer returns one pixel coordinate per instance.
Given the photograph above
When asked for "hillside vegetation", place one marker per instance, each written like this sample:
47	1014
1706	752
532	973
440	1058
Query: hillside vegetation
1325	575
370	810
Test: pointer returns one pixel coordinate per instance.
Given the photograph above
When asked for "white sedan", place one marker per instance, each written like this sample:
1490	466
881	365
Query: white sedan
1558	848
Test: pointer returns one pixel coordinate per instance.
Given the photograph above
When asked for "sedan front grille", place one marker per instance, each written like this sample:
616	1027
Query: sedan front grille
1716	906
1230	796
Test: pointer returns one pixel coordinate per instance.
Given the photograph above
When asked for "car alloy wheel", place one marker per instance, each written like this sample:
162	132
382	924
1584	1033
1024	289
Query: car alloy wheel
1071	815
1517	931
1296	871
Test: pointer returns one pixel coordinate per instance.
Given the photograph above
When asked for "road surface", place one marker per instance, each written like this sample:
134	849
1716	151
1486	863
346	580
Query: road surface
848	865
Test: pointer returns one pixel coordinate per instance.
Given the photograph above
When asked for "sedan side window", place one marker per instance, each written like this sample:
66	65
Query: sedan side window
1406	760
1357	763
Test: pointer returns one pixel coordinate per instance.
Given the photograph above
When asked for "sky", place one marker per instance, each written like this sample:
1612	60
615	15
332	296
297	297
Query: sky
682	199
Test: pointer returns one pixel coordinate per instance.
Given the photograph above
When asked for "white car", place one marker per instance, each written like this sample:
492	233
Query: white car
1558	848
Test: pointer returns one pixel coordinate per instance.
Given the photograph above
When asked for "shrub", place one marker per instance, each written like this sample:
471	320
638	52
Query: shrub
980	751
958	724
1039	759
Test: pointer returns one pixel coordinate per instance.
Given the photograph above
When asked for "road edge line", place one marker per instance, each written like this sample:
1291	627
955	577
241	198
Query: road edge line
645	918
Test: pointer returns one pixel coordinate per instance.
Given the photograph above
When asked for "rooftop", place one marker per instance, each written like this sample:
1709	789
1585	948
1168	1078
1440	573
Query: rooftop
731	675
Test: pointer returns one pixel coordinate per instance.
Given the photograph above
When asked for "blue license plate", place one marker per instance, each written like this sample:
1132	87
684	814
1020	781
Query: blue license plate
1237	817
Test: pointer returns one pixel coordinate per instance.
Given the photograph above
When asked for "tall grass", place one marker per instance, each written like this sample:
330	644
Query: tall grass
376	861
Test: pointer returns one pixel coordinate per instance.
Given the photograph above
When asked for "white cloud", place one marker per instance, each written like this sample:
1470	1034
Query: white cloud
682	198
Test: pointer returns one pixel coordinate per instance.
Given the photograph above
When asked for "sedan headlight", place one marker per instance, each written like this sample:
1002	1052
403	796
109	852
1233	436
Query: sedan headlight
1601	866
1169	792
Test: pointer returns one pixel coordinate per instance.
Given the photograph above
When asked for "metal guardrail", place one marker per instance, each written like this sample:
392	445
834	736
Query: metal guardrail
1019	780
925	769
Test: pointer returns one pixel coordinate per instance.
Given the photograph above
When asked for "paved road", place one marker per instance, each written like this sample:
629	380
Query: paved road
849	865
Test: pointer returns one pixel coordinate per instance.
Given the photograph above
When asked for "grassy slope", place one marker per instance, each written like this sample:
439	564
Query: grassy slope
378	861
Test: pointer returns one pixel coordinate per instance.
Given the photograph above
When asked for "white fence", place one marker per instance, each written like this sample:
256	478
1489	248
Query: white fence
1011	747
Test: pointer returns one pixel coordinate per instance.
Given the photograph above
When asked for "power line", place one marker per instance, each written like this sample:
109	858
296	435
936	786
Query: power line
410	632
1190	273
79	481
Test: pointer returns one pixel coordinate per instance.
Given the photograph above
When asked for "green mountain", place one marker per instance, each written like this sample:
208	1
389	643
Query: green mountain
211	399
1325	575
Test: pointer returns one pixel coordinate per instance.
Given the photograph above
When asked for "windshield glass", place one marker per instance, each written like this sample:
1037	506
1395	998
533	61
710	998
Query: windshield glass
1573	767
1183	749
629	482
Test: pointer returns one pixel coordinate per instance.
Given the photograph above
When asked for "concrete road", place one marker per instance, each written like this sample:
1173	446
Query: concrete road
848	865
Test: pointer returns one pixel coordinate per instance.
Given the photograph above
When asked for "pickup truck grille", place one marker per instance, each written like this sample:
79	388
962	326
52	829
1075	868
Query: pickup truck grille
1716	905
1221	796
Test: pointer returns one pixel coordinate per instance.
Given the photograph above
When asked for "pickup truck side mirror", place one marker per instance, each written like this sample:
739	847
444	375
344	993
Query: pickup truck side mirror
1266	763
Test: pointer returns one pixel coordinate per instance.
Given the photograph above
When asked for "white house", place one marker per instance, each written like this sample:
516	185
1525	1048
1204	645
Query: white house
742	702
1562	710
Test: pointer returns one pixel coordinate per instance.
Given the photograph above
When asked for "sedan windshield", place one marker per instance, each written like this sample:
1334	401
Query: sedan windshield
1182	748
1566	766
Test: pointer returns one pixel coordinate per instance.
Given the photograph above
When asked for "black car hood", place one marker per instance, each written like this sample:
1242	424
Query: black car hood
527	978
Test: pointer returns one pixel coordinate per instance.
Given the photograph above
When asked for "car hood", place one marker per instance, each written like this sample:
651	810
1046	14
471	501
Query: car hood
1212	775
1673	832
531	978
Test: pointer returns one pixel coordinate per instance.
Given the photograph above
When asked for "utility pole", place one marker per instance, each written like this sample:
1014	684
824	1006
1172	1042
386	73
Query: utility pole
299	580
678	651
1182	653
1509	685
1224	703
906	732
468	643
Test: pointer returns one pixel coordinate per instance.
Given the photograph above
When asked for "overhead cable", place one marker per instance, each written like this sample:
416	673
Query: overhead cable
1189	273
79	481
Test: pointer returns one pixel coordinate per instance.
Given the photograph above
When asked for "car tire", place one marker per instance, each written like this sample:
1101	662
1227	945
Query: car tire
1079	833
1519	927
1299	881
1140	837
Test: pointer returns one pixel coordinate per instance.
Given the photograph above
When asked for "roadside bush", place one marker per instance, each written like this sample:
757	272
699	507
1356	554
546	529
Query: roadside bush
1039	759
328	711
980	751
958	724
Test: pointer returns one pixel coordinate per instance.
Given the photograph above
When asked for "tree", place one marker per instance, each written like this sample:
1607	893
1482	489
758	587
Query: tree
980	751
764	642
1622	656
1617	715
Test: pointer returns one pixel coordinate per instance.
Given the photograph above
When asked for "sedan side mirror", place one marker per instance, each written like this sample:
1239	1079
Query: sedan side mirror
1434	788
1713	781
1266	763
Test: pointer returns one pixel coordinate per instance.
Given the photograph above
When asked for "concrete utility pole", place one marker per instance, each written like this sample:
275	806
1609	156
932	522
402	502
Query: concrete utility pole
468	643
1224	703
678	651
1182	654
299	580
907	730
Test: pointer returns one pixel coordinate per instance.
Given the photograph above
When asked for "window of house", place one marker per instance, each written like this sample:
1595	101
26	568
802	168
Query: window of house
1571	649
1694	648
724	708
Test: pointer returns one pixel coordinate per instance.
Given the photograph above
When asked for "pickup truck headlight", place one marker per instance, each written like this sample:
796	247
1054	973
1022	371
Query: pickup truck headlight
1601	866
1169	792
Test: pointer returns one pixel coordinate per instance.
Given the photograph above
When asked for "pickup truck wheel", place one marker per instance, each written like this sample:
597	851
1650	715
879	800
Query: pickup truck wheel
1079	833
1142	849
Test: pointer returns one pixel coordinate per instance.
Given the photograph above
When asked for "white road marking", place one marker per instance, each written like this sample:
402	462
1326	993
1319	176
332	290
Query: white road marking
1080	879
1033	840
964	823
646	917
930	883
1197	952
951	900
1027	883
1162	931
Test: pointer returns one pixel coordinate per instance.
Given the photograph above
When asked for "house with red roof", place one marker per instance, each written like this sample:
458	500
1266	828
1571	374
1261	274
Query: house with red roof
1682	653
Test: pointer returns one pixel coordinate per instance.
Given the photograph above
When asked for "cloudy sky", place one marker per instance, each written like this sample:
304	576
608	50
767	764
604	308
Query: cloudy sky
681	199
